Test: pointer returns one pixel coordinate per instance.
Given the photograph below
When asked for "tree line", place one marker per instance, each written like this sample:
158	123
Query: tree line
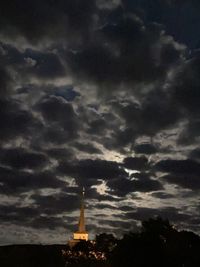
158	244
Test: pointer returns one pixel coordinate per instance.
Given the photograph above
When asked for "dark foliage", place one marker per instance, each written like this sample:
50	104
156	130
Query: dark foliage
159	244
105	243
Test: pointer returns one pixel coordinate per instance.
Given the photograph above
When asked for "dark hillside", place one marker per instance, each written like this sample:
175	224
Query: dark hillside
31	256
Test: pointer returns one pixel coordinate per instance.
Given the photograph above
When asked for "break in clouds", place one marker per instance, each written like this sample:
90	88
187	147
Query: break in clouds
100	94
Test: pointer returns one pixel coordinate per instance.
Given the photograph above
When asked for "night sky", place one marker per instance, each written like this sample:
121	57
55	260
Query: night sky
103	94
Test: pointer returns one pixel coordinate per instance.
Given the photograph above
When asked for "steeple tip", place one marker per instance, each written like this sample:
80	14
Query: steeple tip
83	190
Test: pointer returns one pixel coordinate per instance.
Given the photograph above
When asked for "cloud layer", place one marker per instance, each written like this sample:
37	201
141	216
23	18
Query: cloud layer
100	94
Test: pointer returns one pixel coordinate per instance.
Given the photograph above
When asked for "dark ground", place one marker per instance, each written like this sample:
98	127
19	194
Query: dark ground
31	256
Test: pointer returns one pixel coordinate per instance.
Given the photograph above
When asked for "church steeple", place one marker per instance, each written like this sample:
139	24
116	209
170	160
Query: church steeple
81	234
81	224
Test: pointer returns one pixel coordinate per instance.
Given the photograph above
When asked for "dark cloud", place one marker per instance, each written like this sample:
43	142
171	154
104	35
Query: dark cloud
190	134
16	121
10	55
142	183
166	12
126	208
21	159
195	154
190	181
77	77
45	65
61	120
88	172
94	121
185	94
97	126
123	51
16	182
119	139
116	224
158	112
17	215
59	153
88	148
162	195
57	110
184	173
140	163
56	204
169	213
145	149
48	222
67	92
186	86
31	63
121	186
55	135
53	19
105	206
187	167
29	216
155	113
98	169
5	81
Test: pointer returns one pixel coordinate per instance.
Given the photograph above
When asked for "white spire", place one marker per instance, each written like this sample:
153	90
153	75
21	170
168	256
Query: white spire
81	234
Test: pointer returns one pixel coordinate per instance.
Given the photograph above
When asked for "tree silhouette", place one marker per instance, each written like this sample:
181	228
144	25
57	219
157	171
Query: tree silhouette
158	244
105	243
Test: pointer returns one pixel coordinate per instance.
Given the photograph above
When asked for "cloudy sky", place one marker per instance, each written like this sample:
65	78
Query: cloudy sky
103	94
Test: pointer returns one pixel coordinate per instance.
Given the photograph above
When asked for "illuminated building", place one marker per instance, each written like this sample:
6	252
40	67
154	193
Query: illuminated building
81	234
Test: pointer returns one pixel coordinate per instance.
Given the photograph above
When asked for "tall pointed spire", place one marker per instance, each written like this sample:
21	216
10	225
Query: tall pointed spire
81	234
81	224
